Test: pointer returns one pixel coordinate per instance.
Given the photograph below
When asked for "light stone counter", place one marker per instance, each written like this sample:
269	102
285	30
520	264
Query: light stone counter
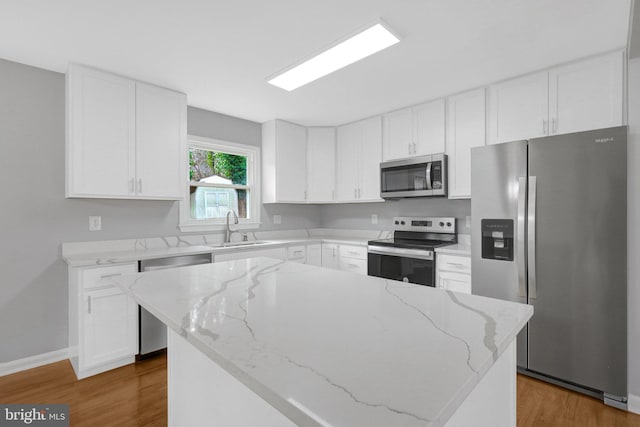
325	347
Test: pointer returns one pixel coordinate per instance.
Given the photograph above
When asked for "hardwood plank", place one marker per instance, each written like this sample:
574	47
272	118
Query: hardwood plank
136	395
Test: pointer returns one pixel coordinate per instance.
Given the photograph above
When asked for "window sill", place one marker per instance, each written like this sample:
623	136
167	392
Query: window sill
191	227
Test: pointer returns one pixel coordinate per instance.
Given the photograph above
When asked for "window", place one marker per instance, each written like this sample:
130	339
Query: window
221	177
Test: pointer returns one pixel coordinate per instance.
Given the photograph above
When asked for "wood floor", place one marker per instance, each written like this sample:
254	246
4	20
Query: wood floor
136	395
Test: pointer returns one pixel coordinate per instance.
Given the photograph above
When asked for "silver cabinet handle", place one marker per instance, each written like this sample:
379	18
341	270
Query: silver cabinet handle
132	188
457	264
414	148
554	125
531	238
89	304
545	127
359	192
355	193
139	185
110	275
409	146
333	194
522	192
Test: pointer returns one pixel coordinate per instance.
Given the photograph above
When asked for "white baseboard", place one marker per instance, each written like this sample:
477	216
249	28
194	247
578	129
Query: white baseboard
33	361
633	404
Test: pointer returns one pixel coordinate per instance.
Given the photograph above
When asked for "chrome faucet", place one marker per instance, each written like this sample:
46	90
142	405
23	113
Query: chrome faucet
228	230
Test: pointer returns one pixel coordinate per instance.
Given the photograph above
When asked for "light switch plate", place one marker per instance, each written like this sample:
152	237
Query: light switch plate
277	219
374	219
95	223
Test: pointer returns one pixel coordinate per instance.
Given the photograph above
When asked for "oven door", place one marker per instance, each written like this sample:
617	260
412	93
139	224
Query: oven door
406	265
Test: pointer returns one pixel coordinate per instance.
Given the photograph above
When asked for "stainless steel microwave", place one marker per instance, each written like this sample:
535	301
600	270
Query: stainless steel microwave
421	176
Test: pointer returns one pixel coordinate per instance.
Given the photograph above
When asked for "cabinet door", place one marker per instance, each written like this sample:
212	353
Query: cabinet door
398	134
369	188
161	117
519	108
454	282
321	164
428	128
291	162
100	134
314	255
348	143
587	95
330	255
109	326
465	129
353	265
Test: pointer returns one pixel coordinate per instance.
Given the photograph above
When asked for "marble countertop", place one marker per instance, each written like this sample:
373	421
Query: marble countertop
115	257
350	349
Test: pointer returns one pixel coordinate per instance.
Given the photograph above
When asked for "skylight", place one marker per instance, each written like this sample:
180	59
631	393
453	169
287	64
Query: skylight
367	42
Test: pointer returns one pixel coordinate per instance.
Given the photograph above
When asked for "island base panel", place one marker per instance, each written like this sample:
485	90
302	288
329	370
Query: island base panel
203	393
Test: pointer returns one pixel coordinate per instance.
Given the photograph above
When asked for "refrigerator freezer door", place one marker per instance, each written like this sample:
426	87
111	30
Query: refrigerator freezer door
579	330
496	173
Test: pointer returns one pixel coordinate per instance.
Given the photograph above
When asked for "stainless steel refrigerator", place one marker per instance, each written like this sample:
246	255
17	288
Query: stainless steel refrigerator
549	228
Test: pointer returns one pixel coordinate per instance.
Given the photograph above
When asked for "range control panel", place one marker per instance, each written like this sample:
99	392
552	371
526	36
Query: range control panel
427	224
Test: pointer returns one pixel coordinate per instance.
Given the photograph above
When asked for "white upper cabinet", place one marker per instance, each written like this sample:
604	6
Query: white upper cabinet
101	134
414	131
519	108
359	152
348	149
321	164
587	95
398	134
575	97
125	139
465	130
371	157
284	162
161	120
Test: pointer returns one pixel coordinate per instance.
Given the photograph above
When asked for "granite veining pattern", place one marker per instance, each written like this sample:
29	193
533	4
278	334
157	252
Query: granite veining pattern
317	343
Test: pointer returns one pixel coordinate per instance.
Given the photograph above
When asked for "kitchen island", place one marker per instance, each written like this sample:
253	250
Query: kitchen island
265	342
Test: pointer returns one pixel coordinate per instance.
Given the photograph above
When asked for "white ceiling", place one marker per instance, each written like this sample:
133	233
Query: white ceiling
220	52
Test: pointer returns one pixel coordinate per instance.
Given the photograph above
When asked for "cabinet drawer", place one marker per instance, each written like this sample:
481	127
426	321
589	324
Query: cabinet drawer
90	277
348	251
454	282
296	253
353	265
459	264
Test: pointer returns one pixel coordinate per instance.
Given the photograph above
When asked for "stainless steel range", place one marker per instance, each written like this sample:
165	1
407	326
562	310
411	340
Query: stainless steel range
409	256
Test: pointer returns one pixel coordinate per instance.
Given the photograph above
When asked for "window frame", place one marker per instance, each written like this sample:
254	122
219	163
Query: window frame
252	153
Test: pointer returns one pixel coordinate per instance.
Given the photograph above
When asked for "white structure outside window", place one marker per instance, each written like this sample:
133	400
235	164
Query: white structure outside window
220	176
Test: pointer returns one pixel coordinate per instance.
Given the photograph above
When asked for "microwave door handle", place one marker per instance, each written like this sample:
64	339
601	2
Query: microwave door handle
429	176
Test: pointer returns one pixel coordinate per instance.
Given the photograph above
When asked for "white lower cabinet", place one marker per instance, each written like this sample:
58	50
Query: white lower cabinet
330	255
345	257
453	273
314	254
297	254
103	321
278	253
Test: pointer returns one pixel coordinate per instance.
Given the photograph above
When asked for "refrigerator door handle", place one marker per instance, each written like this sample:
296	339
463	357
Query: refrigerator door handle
531	238
522	191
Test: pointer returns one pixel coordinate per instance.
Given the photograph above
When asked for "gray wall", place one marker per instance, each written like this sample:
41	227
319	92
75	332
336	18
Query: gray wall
358	215
36	218
633	214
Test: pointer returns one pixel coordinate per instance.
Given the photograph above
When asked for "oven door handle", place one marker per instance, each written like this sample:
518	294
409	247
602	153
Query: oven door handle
401	252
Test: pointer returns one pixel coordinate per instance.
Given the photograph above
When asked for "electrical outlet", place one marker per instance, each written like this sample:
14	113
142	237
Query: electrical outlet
95	223
277	219
374	219
468	222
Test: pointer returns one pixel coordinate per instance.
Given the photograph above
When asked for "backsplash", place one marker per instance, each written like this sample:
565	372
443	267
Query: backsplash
358	215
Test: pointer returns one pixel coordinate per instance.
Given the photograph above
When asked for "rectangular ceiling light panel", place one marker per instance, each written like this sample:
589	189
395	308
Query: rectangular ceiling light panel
361	45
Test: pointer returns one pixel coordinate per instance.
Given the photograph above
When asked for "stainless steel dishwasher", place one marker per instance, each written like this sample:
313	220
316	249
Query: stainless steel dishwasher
152	333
